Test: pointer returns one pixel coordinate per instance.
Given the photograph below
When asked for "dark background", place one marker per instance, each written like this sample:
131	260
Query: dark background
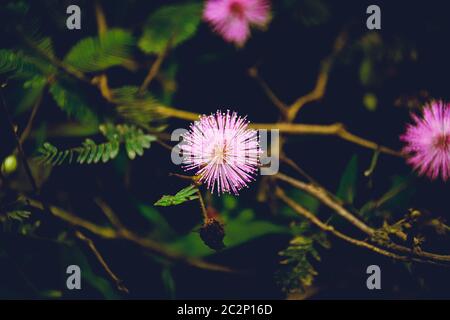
213	74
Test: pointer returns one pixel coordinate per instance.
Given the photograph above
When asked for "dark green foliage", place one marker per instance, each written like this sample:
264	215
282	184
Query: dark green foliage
134	139
174	23
183	195
99	53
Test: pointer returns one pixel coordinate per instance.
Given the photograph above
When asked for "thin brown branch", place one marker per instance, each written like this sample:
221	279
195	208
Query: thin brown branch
154	69
324	197
26	132
322	79
101	81
336	129
328	228
316	94
163	144
102	26
296	167
125	234
282	107
109	214
119	283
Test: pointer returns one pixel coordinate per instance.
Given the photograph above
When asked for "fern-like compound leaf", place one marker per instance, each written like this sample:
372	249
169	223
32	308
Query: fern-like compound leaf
186	194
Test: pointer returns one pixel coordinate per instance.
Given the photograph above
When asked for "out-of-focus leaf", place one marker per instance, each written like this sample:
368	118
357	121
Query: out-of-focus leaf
19	215
229	202
347	186
136	108
168	281
310	12
30	94
156	219
52	294
370	101
99	53
238	231
72	102
396	198
366	72
306	200
174	23
17	63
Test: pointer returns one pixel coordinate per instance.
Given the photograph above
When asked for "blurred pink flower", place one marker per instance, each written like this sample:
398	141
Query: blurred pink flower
428	141
223	149
232	18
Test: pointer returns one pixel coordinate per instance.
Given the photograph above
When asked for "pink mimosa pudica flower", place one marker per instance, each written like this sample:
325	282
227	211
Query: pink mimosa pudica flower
223	150
427	141
232	19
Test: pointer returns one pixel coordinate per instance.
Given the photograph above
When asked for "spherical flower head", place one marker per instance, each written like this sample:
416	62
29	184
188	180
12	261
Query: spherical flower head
232	18
223	150
427	141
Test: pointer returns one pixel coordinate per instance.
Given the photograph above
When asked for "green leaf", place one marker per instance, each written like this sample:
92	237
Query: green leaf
72	102
99	53
186	194
135	141
174	23
347	186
